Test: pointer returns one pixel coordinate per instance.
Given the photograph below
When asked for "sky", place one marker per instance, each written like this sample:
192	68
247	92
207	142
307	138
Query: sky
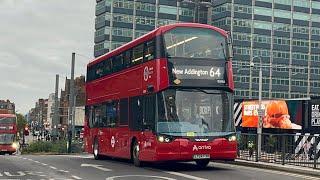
37	38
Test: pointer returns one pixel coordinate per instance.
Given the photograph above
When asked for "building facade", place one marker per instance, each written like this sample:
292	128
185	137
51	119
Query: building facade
283	34
7	107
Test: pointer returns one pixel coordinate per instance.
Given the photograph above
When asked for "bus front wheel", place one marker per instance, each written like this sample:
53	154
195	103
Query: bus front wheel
202	163
135	154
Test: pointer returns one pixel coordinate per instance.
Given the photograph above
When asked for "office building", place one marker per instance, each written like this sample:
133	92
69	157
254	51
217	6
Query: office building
284	34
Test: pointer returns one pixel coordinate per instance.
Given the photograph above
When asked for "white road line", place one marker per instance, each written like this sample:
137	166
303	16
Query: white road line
44	164
61	170
184	175
76	177
52	167
36	161
271	171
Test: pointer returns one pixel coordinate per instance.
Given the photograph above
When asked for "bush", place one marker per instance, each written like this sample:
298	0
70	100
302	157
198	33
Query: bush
46	147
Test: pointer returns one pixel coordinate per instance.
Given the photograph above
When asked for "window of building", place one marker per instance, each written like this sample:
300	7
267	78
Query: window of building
302	3
262	11
168	9
262	25
282	13
301	16
285	2
315	17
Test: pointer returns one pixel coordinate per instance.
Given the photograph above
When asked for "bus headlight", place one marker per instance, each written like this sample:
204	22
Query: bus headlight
14	145
232	138
164	139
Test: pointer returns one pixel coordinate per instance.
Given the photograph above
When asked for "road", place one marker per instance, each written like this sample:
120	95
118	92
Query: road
60	167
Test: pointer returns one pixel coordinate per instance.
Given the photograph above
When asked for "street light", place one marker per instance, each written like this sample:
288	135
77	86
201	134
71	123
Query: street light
260	112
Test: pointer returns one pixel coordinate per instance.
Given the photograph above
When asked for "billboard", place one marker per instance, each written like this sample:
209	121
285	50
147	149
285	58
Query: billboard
275	114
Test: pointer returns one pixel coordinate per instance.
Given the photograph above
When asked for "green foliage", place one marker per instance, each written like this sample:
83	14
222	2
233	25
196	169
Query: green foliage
58	147
21	122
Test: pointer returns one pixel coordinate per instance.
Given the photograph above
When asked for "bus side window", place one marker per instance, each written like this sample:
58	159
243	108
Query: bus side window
124	112
112	113
91	116
137	54
117	63
106	67
96	116
149	50
127	58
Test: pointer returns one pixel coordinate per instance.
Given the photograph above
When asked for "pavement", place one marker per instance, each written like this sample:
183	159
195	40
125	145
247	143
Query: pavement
83	166
279	167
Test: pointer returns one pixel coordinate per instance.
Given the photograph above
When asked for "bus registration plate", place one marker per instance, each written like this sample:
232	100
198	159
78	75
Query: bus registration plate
201	156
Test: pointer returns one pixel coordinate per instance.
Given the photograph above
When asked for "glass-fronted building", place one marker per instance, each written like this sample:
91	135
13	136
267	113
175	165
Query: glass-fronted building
283	34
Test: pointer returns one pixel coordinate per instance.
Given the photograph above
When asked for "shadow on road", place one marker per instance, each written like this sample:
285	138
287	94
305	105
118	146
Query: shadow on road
166	166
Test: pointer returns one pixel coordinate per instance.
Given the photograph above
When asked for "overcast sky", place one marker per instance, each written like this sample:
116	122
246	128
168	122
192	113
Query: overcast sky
37	38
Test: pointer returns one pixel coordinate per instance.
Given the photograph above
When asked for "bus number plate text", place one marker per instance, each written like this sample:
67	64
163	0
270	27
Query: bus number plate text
201	156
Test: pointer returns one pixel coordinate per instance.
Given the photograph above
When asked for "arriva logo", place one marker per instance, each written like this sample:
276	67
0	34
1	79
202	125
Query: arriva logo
197	148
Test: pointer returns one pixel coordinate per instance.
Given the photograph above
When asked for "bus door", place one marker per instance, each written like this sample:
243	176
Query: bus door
121	132
148	126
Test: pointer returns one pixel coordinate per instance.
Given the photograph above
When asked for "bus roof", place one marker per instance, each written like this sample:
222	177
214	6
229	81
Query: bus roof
151	35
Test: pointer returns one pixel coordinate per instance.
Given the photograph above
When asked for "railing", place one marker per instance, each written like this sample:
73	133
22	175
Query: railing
299	150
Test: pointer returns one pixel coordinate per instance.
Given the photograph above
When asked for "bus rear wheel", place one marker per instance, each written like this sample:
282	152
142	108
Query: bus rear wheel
96	150
202	163
135	154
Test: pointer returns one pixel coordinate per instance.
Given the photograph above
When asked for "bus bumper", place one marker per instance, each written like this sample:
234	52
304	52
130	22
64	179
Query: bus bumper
185	150
7	148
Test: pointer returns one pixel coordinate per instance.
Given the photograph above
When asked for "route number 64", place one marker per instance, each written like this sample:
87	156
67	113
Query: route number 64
214	73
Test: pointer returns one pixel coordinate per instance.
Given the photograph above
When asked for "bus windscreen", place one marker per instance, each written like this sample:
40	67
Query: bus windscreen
195	43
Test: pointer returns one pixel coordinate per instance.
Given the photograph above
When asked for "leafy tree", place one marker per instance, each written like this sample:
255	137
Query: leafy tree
21	122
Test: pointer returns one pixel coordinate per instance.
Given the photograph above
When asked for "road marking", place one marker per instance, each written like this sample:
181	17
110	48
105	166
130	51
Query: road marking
125	176
1	174
61	170
184	175
76	177
44	164
96	166
19	173
270	171
52	167
36	161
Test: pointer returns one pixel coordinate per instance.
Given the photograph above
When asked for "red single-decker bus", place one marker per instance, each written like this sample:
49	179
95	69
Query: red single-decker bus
166	96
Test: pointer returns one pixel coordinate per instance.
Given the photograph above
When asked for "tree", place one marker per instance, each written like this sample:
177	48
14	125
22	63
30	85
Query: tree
21	123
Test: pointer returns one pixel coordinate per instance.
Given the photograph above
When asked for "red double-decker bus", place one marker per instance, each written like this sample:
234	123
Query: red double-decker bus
8	131
166	96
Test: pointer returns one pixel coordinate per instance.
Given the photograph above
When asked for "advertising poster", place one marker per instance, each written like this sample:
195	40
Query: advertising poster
275	114
314	116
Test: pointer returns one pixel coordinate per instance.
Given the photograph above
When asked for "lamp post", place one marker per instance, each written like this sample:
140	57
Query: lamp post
260	111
